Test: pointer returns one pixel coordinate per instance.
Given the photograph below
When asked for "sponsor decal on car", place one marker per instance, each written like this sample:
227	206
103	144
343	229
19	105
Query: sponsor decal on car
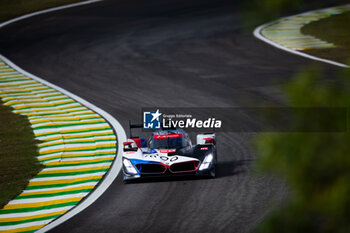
167	136
168	151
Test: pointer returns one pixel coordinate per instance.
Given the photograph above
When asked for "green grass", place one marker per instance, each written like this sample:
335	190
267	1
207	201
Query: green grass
18	151
335	29
13	8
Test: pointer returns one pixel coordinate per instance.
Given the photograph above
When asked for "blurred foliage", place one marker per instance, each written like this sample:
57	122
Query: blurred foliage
257	12
261	11
316	166
338	33
275	8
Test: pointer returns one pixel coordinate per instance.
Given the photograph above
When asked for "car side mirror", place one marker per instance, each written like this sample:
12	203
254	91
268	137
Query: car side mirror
129	146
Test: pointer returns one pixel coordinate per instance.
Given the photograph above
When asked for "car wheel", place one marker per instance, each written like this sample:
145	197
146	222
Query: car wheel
212	172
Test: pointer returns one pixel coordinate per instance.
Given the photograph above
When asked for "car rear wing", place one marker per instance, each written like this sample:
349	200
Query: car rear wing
206	138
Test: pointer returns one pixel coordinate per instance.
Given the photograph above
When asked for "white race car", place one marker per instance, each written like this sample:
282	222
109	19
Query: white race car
169	153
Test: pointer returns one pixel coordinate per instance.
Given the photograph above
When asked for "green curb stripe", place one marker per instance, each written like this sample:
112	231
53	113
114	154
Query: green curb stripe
22	85
112	140
25	89
27	93
98	147
29	220
76	156
9	71
54	123
60	185
27	231
50	117
55	112
78	142
14	84
66	155
77	150
59	119
75	131
71	173
24	210
79	136
83	190
36	100
79	164
40	114
70	135
30	89
69	124
13	80
52	108
46	105
12	76
40	96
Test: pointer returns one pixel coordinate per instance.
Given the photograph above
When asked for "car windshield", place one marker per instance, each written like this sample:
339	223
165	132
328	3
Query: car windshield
168	141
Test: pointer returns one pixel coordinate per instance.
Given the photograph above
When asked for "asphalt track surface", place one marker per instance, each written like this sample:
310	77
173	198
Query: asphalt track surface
127	54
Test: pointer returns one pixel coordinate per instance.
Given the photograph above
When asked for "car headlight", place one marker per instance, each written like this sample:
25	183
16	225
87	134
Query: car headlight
129	167
206	162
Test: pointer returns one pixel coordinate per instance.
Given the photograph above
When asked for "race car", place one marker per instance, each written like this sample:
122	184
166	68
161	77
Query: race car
169	152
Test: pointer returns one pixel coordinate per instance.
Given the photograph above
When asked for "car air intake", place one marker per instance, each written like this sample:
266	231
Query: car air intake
149	168
190	166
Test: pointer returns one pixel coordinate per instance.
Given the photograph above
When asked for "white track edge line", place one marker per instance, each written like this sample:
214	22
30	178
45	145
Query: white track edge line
112	172
257	34
46	11
119	130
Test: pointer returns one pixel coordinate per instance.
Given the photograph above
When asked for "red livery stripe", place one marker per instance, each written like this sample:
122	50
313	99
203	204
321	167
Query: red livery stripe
168	151
164	136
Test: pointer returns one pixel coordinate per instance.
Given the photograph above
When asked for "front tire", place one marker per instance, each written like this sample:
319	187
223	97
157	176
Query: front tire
212	173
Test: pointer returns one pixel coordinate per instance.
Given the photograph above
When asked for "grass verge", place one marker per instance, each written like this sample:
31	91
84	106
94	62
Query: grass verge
18	151
336	30
10	9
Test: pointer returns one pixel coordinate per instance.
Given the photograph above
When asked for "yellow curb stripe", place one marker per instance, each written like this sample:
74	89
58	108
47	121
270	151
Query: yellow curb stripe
57	121
73	170
57	191
64	181
75	130
32	217
33	100
70	149
75	162
76	141
44	104
25	229
39	204
57	118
